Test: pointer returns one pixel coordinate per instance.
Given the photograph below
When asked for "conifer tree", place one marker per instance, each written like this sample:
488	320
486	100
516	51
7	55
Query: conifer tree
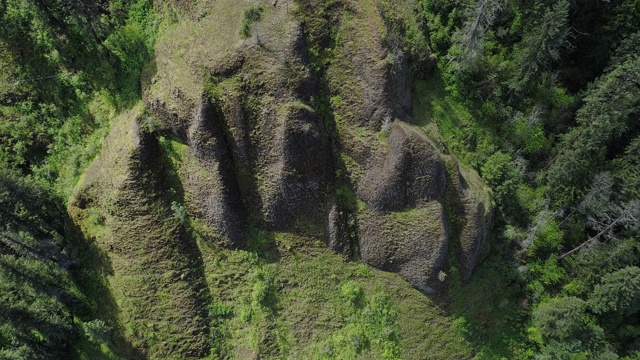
542	45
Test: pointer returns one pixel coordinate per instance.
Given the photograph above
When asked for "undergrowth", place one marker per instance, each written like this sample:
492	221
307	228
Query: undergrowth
462	135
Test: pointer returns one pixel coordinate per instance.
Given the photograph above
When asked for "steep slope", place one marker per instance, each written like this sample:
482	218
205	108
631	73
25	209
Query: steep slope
248	115
253	156
256	117
157	282
404	228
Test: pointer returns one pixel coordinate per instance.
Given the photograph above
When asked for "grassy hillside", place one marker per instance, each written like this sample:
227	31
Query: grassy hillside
199	179
286	295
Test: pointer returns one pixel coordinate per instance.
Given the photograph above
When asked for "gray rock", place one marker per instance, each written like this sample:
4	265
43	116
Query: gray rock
404	229
474	214
217	196
412	243
409	174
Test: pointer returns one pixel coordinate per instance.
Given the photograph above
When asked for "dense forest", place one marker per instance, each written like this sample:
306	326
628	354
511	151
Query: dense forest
540	98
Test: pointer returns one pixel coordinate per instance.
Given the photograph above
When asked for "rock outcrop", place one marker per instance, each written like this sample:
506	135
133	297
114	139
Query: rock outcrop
271	159
474	217
216	196
409	174
244	134
268	139
261	140
404	229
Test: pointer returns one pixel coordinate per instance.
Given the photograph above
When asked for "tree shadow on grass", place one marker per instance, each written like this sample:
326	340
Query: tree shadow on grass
489	310
90	278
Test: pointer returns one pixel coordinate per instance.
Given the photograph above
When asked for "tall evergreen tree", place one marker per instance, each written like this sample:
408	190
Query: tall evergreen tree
541	45
610	108
470	38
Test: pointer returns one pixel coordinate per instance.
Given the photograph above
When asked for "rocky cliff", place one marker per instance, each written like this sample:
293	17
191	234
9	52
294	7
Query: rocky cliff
303	127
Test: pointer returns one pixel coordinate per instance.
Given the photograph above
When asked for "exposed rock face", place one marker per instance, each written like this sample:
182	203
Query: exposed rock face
379	87
384	85
474	213
301	171
270	158
269	141
410	174
265	149
413	243
340	239
216	197
265	145
404	230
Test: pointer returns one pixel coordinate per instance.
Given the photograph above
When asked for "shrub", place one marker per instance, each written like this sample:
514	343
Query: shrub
364	271
353	293
503	177
263	291
179	212
96	331
251	15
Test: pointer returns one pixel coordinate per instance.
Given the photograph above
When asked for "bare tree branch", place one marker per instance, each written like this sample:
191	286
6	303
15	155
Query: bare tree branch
627	215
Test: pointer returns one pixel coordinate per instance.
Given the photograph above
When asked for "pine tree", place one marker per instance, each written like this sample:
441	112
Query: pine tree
470	38
541	46
618	292
608	112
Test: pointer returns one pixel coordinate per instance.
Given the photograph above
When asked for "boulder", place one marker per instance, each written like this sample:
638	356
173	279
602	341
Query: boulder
412	243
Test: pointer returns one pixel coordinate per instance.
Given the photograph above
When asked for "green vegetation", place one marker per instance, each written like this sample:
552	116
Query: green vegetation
548	121
70	68
541	98
450	123
251	15
44	310
31	261
290	296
